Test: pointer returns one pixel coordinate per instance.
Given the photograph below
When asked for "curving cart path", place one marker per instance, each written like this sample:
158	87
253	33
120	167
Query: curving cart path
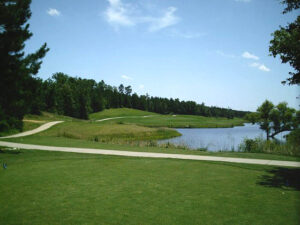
34	131
136	154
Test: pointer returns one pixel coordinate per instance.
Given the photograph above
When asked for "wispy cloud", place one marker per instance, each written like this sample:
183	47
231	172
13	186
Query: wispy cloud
248	55
260	66
264	68
120	14
141	86
126	77
53	12
221	53
168	19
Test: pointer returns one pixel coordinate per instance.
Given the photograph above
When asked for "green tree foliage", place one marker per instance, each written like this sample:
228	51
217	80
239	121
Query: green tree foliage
275	119
78	97
18	88
291	5
264	112
286	43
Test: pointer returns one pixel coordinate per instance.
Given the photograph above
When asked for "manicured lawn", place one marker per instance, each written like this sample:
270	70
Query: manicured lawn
138	147
96	131
134	122
66	188
119	112
180	121
158	120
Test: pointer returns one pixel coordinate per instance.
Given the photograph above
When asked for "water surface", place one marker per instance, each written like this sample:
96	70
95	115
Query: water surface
216	139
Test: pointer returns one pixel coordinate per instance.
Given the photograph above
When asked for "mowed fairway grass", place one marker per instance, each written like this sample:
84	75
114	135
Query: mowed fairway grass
119	112
98	132
180	121
67	188
134	116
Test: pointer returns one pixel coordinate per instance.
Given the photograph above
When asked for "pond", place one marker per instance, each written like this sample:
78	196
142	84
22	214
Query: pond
219	139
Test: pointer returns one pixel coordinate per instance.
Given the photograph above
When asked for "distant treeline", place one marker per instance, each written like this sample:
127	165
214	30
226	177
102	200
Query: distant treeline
78	97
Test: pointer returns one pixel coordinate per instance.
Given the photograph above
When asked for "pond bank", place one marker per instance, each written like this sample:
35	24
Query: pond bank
218	139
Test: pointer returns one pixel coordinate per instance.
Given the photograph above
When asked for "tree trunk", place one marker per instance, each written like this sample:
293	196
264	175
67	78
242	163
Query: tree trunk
277	132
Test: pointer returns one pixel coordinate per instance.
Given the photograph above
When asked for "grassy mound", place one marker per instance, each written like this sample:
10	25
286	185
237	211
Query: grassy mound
181	121
95	131
119	112
68	188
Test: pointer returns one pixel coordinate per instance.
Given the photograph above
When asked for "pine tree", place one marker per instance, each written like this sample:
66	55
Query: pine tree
16	68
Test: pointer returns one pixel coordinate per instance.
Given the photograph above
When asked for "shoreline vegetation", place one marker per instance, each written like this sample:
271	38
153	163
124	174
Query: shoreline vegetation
125	134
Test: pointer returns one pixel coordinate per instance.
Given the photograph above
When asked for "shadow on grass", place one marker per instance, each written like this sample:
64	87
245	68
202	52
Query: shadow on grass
2	151
282	178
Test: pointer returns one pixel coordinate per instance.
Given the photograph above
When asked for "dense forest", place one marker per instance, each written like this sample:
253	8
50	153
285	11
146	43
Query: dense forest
78	97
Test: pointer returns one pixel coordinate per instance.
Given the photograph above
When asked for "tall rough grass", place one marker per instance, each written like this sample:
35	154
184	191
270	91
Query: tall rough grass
259	145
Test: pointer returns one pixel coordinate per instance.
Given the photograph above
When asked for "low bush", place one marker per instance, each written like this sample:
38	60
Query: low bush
259	145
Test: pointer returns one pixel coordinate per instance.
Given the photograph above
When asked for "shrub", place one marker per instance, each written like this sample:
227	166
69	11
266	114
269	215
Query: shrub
294	137
250	145
274	146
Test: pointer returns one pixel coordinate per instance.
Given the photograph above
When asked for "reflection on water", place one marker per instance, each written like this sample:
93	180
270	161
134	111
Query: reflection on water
216	139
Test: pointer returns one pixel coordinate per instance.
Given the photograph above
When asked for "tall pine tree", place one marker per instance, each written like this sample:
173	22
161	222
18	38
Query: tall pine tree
16	69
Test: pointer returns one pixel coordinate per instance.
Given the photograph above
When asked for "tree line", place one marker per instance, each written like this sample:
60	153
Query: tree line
21	92
77	97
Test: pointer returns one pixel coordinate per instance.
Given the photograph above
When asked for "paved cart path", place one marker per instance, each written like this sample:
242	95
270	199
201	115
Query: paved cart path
34	131
151	154
135	154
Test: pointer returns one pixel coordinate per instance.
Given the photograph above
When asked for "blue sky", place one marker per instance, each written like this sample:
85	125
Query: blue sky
213	51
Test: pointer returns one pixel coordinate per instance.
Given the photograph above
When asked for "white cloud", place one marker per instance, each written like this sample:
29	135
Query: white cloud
53	12
168	19
118	14
141	86
126	77
263	68
121	14
221	53
248	55
260	66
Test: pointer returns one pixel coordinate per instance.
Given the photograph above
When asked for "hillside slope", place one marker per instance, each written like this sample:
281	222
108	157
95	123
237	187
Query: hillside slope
119	112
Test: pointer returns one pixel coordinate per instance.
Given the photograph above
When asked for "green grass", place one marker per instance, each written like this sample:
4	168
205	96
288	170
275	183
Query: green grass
158	120
119	112
135	117
67	188
95	131
26	126
180	121
259	145
138	147
48	117
31	122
